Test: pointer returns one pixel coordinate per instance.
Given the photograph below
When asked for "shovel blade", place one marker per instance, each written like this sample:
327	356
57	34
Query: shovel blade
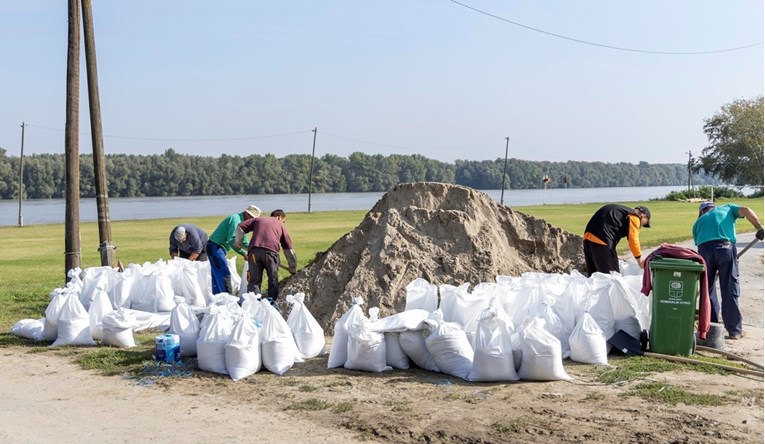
626	343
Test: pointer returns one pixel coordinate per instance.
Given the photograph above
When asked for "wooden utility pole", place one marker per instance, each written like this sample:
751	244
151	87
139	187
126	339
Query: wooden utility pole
504	173
71	142
690	165
21	177
97	137
310	175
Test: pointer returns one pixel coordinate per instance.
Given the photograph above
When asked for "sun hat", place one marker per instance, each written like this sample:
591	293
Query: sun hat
704	206
647	212
253	211
180	233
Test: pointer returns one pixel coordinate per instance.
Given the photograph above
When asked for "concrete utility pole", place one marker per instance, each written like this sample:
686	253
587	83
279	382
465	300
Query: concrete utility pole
97	137
504	173
21	177
71	142
310	175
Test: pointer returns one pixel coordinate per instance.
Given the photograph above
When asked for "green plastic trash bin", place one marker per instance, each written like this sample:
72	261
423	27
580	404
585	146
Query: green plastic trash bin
675	290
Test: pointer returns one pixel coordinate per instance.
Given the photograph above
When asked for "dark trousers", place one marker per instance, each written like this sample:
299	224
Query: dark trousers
219	271
202	256
258	260
599	258
720	257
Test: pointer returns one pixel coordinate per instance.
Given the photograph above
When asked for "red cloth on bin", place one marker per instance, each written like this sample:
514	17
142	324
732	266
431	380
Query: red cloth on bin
678	252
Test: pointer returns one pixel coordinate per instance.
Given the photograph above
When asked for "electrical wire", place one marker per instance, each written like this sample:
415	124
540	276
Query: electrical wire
601	45
406	147
230	139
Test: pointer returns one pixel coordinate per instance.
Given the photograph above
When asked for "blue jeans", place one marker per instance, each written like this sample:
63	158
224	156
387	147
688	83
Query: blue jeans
720	257
219	271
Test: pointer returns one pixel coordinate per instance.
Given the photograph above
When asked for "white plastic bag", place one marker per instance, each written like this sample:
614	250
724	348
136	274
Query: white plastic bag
278	349
338	352
236	280
450	348
493	358
29	328
394	354
413	344
185	324
243	350
100	306
309	336
211	353
541	359
422	295
93	280
73	324
588	343
366	348
118	328
50	327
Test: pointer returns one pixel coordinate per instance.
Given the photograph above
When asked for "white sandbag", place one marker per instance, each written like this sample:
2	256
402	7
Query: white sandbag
243	278
568	304
459	305
413	344
598	303
50	326
338	352
252	307
394	354
75	282
236	280
185	324
493	357
211	353
541	359
187	282
144	320
243	350
118	329
100	306
73	324
398	322
588	343
628	302
142	293
308	334
421	294
554	325
164	291
278	349
450	348
121	285
522	302
366	349
93	280
29	328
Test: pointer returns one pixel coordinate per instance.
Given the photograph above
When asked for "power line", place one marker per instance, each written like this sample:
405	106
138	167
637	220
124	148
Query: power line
231	139
406	147
601	45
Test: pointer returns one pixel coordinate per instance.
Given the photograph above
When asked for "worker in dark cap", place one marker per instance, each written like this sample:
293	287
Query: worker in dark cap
606	228
714	234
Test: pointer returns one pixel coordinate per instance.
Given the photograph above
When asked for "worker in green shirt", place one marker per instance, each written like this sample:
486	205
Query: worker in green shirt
220	243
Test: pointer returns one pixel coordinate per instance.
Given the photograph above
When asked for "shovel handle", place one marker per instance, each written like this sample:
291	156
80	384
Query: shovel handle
751	244
745	371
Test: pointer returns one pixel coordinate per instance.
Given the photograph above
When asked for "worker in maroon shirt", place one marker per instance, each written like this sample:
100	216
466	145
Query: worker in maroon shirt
268	235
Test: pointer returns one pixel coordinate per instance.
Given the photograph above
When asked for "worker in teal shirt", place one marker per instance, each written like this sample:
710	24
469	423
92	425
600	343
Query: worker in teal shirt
220	243
714	233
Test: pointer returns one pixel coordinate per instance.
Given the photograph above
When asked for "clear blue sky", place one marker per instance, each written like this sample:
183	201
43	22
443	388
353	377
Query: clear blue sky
430	77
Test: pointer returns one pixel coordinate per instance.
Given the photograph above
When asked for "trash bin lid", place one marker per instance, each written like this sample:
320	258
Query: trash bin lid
675	264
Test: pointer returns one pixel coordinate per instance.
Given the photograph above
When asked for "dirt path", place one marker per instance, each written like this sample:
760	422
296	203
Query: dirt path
46	398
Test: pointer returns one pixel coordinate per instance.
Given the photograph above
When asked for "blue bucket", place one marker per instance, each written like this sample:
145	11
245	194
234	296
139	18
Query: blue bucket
168	348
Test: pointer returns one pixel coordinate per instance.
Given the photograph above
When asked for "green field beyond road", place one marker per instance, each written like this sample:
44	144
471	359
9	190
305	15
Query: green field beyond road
33	263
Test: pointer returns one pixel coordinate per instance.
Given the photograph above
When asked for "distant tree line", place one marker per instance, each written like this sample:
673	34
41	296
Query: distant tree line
173	174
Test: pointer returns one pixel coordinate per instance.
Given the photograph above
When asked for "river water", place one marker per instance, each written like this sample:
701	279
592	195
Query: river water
49	211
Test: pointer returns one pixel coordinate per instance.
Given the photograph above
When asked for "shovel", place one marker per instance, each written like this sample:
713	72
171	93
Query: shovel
751	244
631	347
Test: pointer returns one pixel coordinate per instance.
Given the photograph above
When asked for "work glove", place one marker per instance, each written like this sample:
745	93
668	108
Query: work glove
760	234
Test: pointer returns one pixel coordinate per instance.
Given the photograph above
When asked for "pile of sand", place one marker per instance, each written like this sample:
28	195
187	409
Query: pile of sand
446	234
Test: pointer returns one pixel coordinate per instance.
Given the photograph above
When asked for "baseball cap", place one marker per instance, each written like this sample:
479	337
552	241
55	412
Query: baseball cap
180	233
253	211
647	212
705	205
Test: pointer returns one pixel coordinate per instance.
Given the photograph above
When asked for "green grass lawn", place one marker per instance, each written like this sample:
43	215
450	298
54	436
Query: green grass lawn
33	263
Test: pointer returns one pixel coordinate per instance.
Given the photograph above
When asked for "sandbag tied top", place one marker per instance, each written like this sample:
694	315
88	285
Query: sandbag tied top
338	352
308	334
